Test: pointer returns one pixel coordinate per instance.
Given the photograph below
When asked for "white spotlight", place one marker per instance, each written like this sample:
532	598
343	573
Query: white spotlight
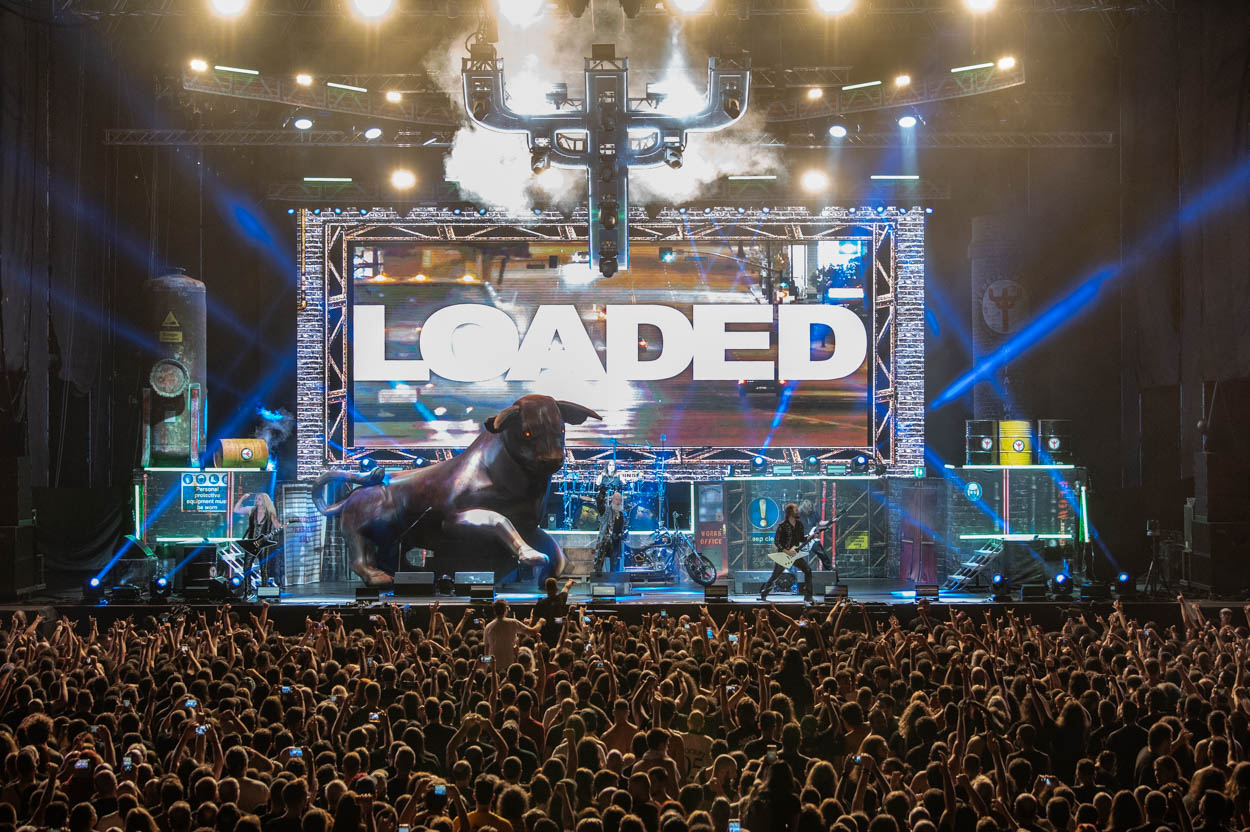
550	180
907	122
403	179
902	80
815	93
814	181
372	9
199	65
521	12
980	6
373	133
304	79
1006	62
837	131
689	6
228	8
394	96
303	123
834	6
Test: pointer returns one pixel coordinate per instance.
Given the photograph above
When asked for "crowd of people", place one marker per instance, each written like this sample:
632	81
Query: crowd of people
573	720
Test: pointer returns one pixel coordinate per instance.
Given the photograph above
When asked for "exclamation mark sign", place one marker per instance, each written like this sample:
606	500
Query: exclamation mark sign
763	513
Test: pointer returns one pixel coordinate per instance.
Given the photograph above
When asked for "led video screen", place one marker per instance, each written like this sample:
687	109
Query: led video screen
714	343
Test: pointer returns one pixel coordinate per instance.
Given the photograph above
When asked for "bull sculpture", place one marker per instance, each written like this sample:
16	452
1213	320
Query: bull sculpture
488	497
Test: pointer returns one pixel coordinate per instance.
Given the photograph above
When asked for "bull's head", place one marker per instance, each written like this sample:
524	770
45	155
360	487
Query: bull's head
533	430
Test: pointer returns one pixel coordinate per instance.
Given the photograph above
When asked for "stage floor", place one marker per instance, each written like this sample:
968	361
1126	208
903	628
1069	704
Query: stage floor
328	593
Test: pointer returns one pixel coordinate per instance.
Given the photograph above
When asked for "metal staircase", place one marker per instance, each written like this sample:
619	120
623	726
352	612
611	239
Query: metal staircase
970	570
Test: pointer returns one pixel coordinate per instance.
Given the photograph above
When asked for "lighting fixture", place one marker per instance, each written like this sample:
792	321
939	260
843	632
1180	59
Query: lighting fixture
1006	62
373	133
811	465
372	9
199	65
758	464
672	157
403	179
689	6
815	93
540	160
835	6
394	96
302	123
837	131
228	8
304	79
902	80
980	6
814	181
907	122
521	12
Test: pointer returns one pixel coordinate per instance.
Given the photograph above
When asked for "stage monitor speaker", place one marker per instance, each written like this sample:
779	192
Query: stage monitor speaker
268	593
367	593
126	594
601	591
1032	592
465	581
716	593
981	440
1096	592
750	581
838	591
482	592
414	584
926	590
823	583
1054	442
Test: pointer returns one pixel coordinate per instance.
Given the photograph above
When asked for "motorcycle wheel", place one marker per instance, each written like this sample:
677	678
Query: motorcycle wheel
700	569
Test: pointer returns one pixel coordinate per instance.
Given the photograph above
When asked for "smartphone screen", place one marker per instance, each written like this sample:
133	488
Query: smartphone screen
82	764
488	659
297	752
735	826
711	633
733	638
190	703
440	790
373	717
201	729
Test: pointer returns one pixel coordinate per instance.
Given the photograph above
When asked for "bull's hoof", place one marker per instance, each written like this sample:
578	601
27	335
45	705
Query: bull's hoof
374	577
532	557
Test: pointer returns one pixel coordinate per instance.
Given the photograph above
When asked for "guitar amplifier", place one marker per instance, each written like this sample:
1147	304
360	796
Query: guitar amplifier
750	581
414	585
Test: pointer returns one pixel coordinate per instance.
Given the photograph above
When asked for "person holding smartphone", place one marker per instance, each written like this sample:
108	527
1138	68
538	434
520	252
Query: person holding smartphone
553	605
501	635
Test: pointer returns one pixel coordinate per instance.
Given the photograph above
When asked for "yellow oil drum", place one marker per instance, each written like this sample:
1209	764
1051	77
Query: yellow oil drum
241	453
1015	442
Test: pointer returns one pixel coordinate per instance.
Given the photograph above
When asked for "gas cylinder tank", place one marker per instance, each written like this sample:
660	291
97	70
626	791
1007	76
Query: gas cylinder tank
177	319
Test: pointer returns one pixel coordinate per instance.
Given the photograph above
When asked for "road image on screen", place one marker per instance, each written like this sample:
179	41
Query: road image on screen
691	346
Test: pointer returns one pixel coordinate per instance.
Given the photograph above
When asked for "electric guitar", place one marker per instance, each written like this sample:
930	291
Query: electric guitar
788	557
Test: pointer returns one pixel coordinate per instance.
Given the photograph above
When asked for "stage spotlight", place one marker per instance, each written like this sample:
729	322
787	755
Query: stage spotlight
303	79
481	212
980	6
394	96
835	6
682	210
372	9
521	12
837	131
672	157
373	133
765	210
92	591
631	8
403	179
1000	588
228	8
902	80
759	465
907	122
552	179
199	65
1061	585
811	465
860	464
667	255
815	93
1006	62
457	211
707	211
733	104
1125	585
540	160
607	266
609	213
481	106
302	123
158	589
814	181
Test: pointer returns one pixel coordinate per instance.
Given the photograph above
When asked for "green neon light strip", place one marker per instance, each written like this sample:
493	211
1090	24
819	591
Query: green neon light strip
1084	517
237	69
1018	467
362	89
989	65
138	512
1015	537
865	84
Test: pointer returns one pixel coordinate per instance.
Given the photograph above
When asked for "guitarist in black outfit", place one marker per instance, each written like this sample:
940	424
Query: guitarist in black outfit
789	537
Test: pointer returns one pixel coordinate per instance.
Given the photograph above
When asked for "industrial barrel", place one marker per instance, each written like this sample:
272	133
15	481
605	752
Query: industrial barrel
241	453
1054	442
981	442
1015	442
178	322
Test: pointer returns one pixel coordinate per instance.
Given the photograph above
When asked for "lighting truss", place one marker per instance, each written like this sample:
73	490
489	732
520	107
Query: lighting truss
885	95
244	137
896	284
432	110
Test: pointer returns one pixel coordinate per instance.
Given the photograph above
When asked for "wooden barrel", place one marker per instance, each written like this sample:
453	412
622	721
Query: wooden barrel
981	442
1015	442
241	453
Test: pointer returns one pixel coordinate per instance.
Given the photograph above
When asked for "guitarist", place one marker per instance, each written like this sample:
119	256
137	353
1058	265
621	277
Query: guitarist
788	539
